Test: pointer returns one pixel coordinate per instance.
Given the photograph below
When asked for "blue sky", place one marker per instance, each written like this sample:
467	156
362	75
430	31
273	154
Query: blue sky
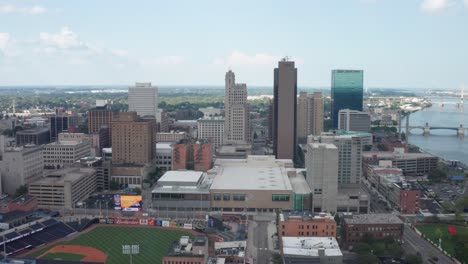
398	43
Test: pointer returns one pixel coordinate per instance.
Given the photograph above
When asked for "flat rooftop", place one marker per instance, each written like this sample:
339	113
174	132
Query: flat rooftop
299	183
253	173
164	145
310	246
65	175
33	131
374	219
388	154
182	176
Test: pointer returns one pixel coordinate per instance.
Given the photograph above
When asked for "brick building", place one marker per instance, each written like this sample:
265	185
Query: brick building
321	225
192	155
379	226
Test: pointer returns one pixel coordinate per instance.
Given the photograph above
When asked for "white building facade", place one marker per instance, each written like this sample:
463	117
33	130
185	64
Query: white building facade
143	99
322	176
236	108
212	129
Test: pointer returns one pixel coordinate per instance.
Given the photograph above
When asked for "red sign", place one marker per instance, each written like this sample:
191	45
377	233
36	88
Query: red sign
125	221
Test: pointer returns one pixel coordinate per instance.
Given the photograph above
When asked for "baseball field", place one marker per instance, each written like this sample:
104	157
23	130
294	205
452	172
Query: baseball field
104	244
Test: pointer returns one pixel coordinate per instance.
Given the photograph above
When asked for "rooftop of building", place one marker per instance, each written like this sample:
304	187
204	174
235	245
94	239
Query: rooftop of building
184	246
299	183
33	131
305	216
193	182
403	185
317	145
22	199
373	219
164	145
25	149
390	154
253	173
193	141
67	143
182	176
310	246
211	119
59	177
88	160
172	132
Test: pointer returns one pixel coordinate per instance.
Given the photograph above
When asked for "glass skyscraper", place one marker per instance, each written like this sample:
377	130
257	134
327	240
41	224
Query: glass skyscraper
346	92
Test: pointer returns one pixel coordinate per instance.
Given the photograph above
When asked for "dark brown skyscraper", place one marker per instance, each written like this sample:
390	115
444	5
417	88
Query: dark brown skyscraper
133	139
285	110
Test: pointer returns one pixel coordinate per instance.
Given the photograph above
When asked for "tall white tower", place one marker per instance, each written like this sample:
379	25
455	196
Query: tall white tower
143	99
236	109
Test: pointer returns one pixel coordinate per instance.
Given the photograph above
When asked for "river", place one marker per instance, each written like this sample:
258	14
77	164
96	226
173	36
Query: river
442	143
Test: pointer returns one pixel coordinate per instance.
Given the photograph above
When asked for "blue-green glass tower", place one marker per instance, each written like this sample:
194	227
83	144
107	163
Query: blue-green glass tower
347	90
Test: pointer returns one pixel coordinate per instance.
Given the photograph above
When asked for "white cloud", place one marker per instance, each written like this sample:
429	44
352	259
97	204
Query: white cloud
65	39
466	3
120	53
4	41
434	5
33	10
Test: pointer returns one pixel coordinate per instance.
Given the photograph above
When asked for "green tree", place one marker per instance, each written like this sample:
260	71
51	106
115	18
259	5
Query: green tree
413	259
277	259
437	175
137	190
114	185
22	190
368	259
337	219
461	246
438	233
461	204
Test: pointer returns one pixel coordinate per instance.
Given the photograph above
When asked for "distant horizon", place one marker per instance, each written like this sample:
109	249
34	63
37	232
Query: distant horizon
211	86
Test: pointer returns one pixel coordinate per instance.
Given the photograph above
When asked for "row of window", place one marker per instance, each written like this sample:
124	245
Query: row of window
227	197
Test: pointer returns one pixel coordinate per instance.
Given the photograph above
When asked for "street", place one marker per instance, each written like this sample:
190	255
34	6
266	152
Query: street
413	243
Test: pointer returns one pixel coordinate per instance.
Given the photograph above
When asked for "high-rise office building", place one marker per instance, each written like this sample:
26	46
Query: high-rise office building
61	123
302	116
143	99
309	115
285	110
347	90
352	120
322	176
350	157
101	117
212	129
133	139
236	111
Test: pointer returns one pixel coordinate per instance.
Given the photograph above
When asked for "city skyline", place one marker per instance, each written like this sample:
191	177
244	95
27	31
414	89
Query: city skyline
50	43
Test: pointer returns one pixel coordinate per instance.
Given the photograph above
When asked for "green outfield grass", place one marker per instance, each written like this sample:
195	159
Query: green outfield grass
429	230
154	243
63	256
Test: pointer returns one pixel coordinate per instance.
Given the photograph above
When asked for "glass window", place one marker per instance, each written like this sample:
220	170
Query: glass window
217	197
238	197
226	196
280	197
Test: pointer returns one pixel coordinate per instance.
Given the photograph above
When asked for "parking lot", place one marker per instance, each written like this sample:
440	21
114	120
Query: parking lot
98	201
